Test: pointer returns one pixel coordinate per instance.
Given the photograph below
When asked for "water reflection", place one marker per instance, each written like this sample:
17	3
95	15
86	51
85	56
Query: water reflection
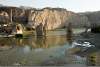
46	42
31	50
50	50
5	44
41	42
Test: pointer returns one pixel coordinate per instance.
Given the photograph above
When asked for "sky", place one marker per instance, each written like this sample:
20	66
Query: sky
71	5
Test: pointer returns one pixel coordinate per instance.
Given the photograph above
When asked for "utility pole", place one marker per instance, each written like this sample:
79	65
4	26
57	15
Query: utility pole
11	17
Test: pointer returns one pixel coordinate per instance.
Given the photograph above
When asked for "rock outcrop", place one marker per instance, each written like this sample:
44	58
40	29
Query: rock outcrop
51	18
54	18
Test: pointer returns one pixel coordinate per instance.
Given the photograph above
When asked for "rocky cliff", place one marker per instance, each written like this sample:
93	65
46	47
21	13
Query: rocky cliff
54	18
93	17
51	18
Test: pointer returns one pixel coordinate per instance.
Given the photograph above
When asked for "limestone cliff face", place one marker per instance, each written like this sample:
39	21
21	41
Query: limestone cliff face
51	18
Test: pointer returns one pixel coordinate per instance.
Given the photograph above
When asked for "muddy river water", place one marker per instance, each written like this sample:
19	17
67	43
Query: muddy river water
50	50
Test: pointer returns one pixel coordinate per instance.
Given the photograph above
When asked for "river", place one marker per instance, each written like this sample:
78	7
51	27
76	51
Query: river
54	49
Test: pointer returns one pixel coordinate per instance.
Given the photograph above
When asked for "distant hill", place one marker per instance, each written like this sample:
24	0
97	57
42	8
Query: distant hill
93	17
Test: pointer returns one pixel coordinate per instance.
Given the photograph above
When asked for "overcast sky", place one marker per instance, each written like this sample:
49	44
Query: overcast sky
72	5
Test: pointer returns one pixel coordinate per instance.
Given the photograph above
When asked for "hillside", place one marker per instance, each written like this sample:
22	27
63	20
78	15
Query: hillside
51	18
93	17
